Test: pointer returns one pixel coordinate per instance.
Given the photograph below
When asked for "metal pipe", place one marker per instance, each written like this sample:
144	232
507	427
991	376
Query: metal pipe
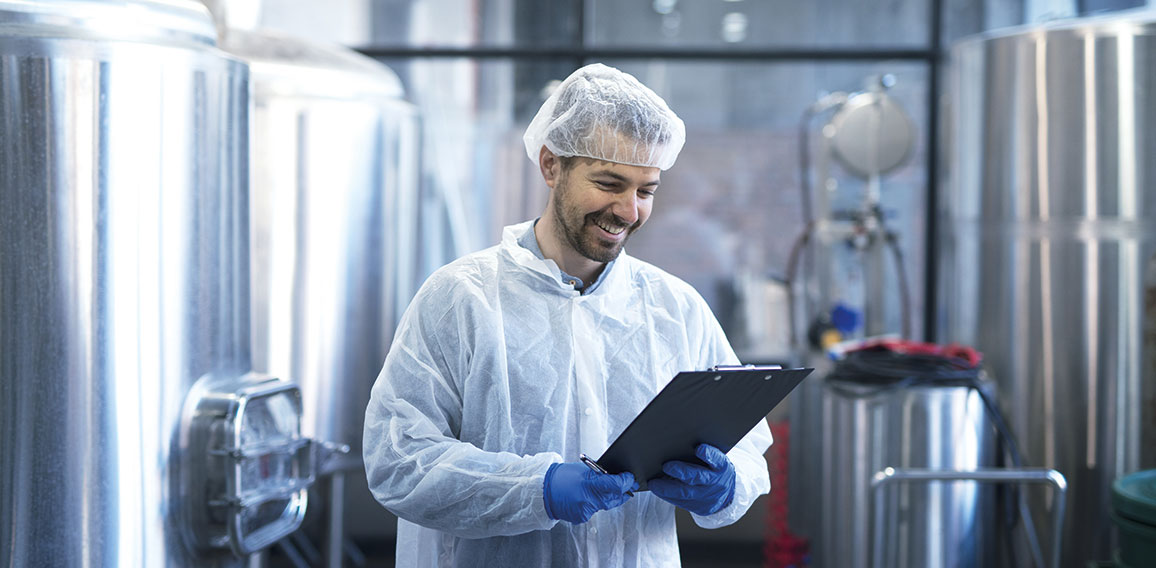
931	228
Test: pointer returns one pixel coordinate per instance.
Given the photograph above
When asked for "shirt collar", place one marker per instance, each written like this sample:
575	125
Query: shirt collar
529	242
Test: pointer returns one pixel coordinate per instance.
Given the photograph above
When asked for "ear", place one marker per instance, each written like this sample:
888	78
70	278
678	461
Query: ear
550	166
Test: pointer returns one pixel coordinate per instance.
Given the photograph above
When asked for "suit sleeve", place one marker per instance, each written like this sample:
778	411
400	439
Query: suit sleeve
416	465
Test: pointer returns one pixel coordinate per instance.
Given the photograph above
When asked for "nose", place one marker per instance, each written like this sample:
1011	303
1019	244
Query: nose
625	208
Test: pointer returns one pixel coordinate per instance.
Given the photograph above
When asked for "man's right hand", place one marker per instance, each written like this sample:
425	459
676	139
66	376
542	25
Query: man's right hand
575	492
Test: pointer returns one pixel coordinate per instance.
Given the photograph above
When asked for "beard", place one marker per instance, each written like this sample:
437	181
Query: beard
580	230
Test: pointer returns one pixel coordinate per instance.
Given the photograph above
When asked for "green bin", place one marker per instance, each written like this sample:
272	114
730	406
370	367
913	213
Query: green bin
1134	513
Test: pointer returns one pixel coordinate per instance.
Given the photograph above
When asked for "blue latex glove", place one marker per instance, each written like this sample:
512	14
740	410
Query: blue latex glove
700	490
575	492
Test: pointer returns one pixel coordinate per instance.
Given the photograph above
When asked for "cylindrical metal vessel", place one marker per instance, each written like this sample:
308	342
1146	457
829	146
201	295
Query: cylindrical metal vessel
334	196
1048	223
123	270
867	428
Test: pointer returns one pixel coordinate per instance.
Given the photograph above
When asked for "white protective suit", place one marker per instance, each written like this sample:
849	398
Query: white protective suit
498	370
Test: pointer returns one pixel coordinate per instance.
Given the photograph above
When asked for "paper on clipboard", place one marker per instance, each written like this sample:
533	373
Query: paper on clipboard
716	407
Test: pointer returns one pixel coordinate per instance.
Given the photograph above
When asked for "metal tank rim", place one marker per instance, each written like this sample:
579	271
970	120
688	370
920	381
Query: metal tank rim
1141	21
173	22
284	65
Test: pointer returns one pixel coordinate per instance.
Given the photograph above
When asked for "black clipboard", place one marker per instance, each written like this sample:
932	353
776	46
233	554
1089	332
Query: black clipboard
716	407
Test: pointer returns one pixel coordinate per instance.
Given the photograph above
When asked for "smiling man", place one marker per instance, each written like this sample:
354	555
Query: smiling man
513	361
593	208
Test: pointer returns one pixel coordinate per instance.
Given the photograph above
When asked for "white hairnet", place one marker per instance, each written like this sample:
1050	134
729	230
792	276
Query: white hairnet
600	112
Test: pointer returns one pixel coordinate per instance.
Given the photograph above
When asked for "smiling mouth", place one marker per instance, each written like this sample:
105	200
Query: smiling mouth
612	229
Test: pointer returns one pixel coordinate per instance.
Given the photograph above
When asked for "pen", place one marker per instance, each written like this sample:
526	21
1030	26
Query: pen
594	466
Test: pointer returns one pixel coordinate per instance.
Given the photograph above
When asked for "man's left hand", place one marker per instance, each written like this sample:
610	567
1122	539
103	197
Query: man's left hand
700	490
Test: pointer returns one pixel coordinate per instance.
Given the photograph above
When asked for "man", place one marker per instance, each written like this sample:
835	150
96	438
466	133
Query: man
511	362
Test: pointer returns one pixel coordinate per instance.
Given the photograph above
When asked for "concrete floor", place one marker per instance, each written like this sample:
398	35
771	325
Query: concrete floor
694	555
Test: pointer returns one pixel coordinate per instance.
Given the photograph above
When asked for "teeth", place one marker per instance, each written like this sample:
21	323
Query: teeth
611	230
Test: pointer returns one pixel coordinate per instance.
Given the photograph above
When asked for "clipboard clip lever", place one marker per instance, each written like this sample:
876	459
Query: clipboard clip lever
747	368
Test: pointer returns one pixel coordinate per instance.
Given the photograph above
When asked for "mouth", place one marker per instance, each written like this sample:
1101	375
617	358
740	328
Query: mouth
614	230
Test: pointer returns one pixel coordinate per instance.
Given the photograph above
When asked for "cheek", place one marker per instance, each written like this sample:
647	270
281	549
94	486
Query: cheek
590	203
644	211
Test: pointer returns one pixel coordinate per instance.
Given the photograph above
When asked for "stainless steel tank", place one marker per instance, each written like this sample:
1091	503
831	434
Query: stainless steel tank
334	197
868	427
131	430
122	145
1048	222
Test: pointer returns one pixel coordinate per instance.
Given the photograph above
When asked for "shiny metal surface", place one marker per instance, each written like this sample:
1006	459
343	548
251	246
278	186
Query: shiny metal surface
1048	227
123	272
154	21
871	134
334	196
867	429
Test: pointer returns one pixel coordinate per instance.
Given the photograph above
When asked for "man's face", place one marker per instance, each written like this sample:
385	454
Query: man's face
599	204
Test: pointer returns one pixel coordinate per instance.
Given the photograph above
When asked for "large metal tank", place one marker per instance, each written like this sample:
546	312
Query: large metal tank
132	432
122	146
334	196
1047	230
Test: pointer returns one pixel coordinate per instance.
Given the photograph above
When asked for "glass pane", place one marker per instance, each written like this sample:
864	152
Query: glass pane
1101	6
474	168
730	207
343	23
473	23
962	18
747	24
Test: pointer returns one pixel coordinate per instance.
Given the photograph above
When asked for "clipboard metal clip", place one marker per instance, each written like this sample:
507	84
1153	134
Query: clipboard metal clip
747	368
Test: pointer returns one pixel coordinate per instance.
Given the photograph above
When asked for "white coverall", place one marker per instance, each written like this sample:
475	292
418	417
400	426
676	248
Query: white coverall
497	370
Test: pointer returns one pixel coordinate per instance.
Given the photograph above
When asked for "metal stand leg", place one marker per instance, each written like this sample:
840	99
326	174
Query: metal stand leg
290	550
1002	475
335	536
355	555
307	550
259	559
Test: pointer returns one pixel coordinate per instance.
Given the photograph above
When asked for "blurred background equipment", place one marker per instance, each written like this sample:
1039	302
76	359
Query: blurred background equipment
1134	514
839	264
841	283
880	409
1047	251
133	431
908	453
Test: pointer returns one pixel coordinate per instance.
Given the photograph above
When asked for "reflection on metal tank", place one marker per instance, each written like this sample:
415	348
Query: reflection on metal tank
1047	248
122	277
334	190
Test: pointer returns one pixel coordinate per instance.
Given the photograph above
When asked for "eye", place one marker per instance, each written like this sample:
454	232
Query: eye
646	192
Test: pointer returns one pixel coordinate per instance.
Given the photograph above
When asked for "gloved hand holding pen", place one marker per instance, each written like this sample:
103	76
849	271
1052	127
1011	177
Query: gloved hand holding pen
700	490
574	492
